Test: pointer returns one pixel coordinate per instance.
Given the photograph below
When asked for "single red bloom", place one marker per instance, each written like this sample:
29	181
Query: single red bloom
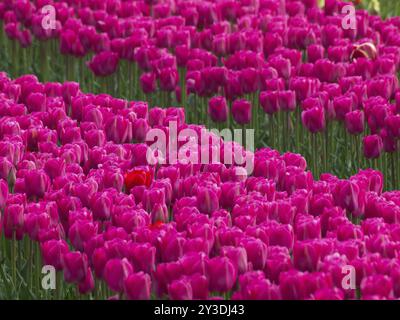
137	178
156	225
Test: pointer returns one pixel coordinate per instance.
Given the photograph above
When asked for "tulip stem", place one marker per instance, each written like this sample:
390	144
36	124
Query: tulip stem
14	259
4	248
30	264
59	283
272	131
314	154
43	60
37	266
326	148
14	54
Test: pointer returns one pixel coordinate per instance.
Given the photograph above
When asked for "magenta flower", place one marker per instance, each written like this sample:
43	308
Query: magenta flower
13	221
116	271
104	63
53	251
218	109
314	119
138	286
221	273
355	122
372	146
241	111
75	266
180	289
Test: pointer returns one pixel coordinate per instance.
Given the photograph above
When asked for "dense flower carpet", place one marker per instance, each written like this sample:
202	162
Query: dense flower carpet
304	205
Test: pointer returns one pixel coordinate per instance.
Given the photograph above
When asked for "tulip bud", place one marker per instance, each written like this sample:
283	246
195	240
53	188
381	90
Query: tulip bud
256	253
221	274
241	111
104	63
80	232
148	82
355	122
119	129
37	183
55	167
99	260
75	265
87	284
138	286
379	285
13	222
180	289
392	124
218	109
116	271
53	251
306	255
207	200
315	52
314	119
269	101
238	257
36	102
168	78
372	146
7	171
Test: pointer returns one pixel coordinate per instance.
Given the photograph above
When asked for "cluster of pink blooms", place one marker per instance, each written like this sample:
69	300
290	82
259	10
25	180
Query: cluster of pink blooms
71	179
289	54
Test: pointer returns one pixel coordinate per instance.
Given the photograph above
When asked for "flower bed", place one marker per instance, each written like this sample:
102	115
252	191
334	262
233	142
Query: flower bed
289	71
312	213
77	195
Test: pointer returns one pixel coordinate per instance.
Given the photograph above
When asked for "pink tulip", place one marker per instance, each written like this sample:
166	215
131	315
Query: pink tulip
354	122
373	146
104	63
269	101
306	255
218	109
314	119
13	221
241	111
180	290
238	257
36	183
168	79
119	129
116	271
75	266
138	286
87	285
207	200
80	232
221	273
148	82
377	285
53	251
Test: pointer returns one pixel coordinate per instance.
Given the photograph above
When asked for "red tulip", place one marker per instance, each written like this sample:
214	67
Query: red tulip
137	178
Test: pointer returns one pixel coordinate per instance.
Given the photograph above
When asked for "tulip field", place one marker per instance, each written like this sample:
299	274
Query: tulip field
117	181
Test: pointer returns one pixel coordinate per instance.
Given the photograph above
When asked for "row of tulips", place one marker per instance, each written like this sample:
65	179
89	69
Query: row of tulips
286	68
78	193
